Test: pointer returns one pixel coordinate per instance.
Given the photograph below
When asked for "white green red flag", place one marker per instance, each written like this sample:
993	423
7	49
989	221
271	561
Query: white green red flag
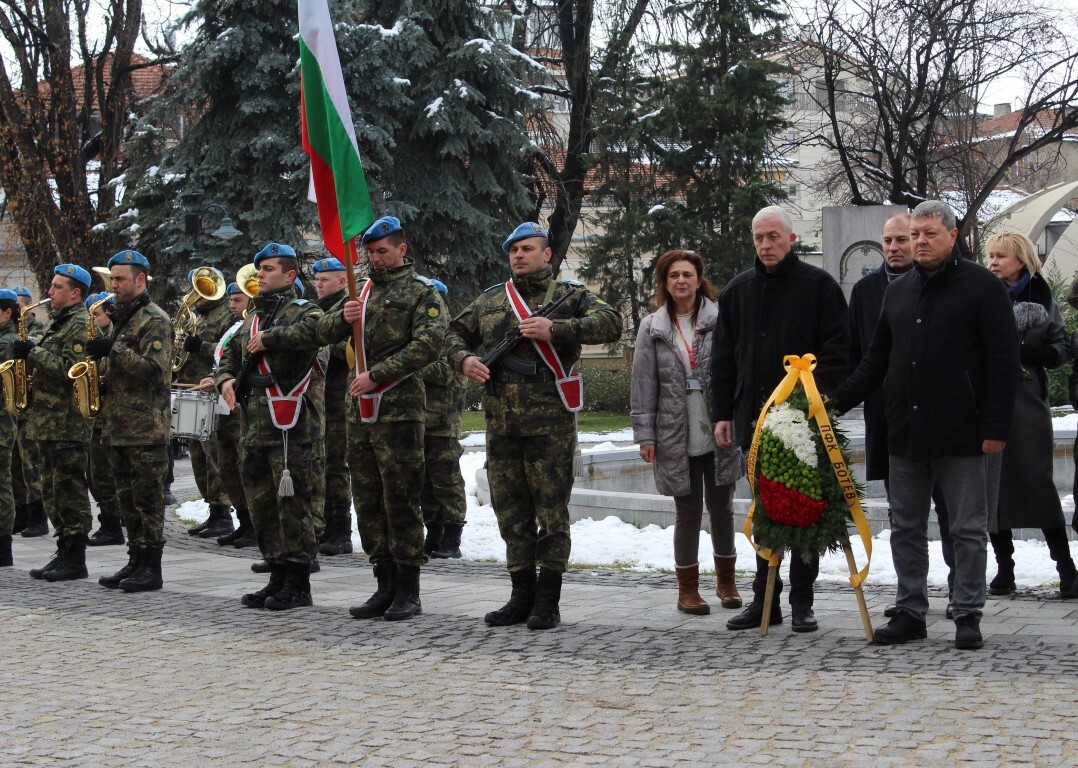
338	185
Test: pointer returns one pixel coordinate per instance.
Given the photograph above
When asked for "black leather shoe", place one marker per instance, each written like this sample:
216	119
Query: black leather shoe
900	629
753	614
890	611
967	634
804	620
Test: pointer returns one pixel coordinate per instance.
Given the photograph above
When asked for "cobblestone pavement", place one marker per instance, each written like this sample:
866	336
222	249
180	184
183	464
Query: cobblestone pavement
187	677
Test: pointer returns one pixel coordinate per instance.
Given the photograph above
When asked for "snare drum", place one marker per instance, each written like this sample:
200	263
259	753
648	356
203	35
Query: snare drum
194	414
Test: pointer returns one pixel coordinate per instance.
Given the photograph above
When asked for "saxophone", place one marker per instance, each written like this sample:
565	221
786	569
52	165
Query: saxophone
85	378
13	374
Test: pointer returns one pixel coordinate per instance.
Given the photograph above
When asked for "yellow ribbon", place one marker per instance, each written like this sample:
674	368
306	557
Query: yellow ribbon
800	369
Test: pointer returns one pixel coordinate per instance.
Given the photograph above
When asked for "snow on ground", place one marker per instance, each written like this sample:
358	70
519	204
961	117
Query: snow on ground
611	542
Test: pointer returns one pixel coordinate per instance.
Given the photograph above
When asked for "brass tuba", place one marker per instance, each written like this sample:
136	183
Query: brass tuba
206	283
85	380
13	374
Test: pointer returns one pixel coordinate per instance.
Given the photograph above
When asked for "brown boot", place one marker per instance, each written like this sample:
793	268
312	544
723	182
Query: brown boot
688	591
727	588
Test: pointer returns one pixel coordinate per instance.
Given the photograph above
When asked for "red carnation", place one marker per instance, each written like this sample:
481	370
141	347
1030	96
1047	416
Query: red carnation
786	506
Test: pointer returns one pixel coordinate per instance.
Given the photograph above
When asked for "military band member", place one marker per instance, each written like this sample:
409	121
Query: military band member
55	424
9	307
530	411
99	471
330	280
135	417
279	426
213	319
30	517
403	330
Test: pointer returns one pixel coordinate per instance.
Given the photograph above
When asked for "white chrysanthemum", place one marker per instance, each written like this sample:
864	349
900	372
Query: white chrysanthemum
791	427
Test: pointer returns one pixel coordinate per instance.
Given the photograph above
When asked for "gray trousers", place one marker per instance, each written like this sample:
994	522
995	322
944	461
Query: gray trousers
689	511
963	481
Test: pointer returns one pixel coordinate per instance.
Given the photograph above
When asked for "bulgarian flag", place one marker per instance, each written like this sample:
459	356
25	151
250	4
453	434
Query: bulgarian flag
329	137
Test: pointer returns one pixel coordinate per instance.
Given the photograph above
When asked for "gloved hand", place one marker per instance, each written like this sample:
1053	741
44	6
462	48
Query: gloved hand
20	350
192	344
98	347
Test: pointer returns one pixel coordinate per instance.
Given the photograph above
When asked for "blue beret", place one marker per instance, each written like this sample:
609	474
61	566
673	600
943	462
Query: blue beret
8	295
384	227
328	265
275	251
75	272
232	289
442	289
523	232
132	258
301	289
22	290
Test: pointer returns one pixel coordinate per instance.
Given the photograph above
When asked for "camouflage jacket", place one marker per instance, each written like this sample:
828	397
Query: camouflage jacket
336	372
136	408
213	321
445	399
53	413
35	329
404	330
523	404
8	336
291	348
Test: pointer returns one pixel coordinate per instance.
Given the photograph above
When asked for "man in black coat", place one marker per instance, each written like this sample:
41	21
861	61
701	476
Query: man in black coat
946	351
780	307
866	300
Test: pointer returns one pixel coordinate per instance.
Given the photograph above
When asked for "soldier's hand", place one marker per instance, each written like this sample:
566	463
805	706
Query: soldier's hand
724	434
352	311
228	392
20	350
474	369
361	385
539	328
192	344
647	452
255	344
206	385
98	347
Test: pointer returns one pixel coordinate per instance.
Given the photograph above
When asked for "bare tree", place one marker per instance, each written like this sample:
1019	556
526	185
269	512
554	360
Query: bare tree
899	82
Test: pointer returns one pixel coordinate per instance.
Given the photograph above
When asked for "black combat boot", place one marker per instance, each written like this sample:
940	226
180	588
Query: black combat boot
74	563
196	530
148	576
545	613
37	523
248	538
22	514
520	602
261	566
296	592
338	537
170	500
450	545
5	552
133	559
56	562
276	583
1003	547
111	533
434	538
406	603
379	602
241	530
220	522
1059	549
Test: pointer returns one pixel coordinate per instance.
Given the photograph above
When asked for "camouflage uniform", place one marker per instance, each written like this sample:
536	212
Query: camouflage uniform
227	437
135	416
531	437
283	524
26	461
98	469
56	425
443	498
7	441
316	396
338	493
404	330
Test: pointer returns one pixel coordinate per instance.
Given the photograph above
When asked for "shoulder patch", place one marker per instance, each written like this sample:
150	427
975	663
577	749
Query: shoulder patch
301	302
424	279
433	311
156	346
574	283
77	347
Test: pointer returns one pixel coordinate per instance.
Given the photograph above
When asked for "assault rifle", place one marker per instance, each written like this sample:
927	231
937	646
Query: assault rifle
513	338
242	386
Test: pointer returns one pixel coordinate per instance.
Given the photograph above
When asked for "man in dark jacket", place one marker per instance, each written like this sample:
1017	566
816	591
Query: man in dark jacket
780	307
946	351
866	301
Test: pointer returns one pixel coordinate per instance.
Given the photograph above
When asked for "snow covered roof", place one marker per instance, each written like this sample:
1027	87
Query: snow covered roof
998	201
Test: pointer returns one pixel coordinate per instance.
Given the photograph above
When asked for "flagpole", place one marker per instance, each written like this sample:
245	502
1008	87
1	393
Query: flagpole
357	327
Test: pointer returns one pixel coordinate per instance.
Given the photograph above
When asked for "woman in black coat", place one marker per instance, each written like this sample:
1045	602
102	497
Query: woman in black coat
1027	492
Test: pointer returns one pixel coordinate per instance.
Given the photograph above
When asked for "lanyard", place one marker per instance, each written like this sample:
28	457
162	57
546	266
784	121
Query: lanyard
688	346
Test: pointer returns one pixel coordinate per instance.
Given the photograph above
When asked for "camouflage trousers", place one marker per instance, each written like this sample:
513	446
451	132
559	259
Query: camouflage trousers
338	484
7	496
63	487
443	499
385	461
207	471
227	438
25	468
531	480
283	525
318	488
99	478
140	472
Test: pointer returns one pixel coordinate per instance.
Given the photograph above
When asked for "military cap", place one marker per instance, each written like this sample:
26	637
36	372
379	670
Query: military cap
275	251
440	286
327	265
73	271
6	294
523	232
384	227
131	258
232	289
22	290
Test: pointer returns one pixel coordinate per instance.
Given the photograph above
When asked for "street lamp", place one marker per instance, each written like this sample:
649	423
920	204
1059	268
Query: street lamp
197	208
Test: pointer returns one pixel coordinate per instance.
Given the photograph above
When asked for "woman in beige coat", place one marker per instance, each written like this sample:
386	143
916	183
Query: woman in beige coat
670	392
